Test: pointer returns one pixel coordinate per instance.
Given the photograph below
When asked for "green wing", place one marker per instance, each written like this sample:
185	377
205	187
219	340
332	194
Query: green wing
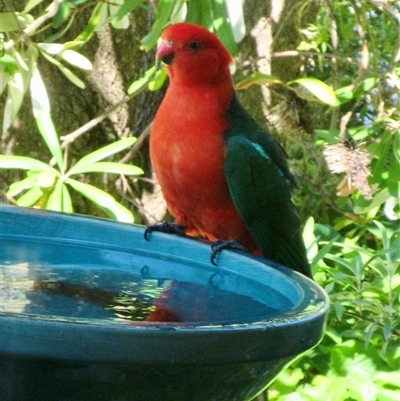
261	193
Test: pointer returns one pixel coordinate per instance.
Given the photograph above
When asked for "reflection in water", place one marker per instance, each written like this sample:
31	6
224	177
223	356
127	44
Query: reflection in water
90	293
14	283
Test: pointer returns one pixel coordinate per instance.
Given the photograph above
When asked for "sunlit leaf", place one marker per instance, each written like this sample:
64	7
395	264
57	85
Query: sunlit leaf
102	153
46	179
71	76
76	59
345	94
7	116
24	163
31	4
377	200
258	78
126	7
30	197
19	186
164	11
61	14
90	27
222	26
158	80
40	100
8	65
67	72
51	48
109	167
236	18
103	200
199	12
3	80
319	89
12	22
15	95
141	83
55	198
41	111
66	200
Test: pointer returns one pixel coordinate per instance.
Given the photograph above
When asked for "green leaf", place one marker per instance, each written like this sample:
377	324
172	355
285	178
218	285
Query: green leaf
319	89
71	76
379	198
76	59
164	11
103	200
19	186
67	72
109	167
102	153
223	27
15	95
159	80
323	252
61	14
51	48
235	13
41	111
345	94
46	179
24	163
388	378
31	4
258	78
121	23
55	198
12	22
127	7
8	111
199	12
309	239
4	77
141	83
9	65
30	197
91	26
66	200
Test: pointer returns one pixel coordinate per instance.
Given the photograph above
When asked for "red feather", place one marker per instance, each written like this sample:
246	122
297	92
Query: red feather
187	140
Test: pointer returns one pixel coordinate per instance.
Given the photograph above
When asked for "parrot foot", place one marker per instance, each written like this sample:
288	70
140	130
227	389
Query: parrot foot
164	227
217	246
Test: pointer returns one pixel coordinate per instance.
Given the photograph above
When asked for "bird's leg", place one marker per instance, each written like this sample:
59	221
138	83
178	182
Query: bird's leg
164	227
217	246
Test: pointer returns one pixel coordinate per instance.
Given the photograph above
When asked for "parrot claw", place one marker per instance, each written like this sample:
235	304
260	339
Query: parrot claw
164	227
217	246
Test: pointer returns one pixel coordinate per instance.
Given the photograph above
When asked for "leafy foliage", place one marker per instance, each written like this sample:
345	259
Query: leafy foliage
354	244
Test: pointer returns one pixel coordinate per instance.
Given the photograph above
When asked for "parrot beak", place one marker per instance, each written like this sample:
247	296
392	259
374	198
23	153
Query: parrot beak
165	52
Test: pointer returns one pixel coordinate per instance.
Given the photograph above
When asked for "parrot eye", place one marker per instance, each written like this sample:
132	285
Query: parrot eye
195	45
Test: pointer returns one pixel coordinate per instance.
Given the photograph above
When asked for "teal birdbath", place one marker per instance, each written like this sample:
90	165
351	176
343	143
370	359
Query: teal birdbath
90	310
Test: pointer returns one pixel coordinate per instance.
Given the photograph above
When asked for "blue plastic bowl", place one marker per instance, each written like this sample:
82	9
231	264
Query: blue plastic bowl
238	324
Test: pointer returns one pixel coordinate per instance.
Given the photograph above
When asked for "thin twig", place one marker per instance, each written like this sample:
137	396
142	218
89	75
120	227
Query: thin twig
92	123
51	11
145	133
333	205
296	53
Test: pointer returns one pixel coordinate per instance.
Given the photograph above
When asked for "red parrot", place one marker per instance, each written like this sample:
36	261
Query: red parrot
222	175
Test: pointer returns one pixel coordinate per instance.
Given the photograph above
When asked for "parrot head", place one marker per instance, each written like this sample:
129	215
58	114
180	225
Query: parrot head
193	54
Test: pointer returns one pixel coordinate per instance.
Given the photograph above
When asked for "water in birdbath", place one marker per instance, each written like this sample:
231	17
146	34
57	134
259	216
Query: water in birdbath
79	293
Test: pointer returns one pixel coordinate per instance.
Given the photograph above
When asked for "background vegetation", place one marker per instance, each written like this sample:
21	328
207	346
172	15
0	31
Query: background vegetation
322	76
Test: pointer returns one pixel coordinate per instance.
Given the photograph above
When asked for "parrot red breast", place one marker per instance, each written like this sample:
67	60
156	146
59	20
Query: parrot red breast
222	175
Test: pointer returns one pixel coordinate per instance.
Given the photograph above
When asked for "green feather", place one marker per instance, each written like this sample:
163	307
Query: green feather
260	185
